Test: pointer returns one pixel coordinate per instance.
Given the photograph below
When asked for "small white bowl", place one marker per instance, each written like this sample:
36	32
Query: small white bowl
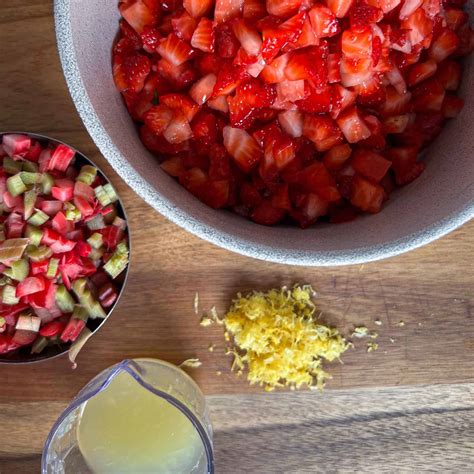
438	202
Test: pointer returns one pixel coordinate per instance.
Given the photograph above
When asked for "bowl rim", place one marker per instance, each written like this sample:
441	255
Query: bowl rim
38	359
65	44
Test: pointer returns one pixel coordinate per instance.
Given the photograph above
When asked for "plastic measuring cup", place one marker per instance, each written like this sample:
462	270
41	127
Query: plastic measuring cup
62	454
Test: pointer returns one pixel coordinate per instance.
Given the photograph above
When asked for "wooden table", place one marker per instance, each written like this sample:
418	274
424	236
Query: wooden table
430	289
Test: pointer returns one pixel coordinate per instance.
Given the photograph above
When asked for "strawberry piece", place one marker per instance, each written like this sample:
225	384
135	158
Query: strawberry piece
150	39
396	124
428	96
316	101
179	76
131	72
184	26
138	14
178	130
323	22
158	144
219	103
334	68
363	15
228	78
449	74
452	106
421	71
322	130
337	156
275	71
282	8
312	207
399	40
291	91
291	122
249	195
204	127
281	197
128	32
174	50
306	38
266	214
248	36
369	164
203	36
404	164
308	63
420	27
174	166
181	104
395	103
408	7
341	99
227	9
340	8
197	8
216	193
254	10
242	147
202	89
466	40
357	44
352	125
444	45
355	71
317	179
158	118
366	195
455	18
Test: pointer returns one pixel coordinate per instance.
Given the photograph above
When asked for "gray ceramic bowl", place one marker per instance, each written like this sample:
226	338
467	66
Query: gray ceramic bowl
441	200
23	354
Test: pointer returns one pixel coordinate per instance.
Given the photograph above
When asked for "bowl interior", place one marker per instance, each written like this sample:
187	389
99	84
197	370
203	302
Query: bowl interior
440	200
23	354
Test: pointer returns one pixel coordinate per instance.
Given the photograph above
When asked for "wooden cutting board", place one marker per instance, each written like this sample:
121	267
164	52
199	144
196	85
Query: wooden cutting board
431	289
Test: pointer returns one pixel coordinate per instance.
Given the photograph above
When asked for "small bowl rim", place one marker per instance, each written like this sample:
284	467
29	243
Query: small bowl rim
39	136
219	237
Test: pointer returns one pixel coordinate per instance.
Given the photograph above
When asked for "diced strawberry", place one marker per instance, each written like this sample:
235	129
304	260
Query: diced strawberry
248	36
16	145
466	40
363	15
316	100
254	10
283	8
226	42
366	195
335	158
399	40
228	78
180	76
174	166
184	25
128	32
292	122
291	90
323	21
352	125
158	118
386	5
444	45
311	208
404	164
197	8
306	38
317	179
357	44
341	99
204	127
369	164
131	73
334	71
203	36
395	78
452	106
396	123
150	38
428	96
138	14
340	8
216	193
322	130
355	71
202	89
420	27
449	74
408	7
242	147
174	50
220	104
455	18
266	214
180	103
421	71
227	9
308	63
395	103
275	71
178	130
281	147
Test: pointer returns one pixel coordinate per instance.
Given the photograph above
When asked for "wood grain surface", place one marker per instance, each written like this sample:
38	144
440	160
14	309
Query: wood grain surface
390	430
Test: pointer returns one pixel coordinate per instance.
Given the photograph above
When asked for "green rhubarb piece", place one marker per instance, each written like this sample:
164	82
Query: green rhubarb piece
86	299
30	167
39	345
19	270
12	249
47	183
87	174
72	212
38	254
64	300
80	313
96	254
29	177
96	223
52	268
38	218
102	196
11	166
34	234
15	185
95	240
118	261
9	295
29	201
109	189
5	280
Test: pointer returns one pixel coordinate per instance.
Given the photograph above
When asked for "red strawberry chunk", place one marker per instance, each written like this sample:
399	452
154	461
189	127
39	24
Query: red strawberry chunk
308	63
291	90
334	65
404	164
242	147
317	179
455	18
428	96
323	21
396	123
138	14
131	72
363	15
266	214
180	103
353	126
316	100
203	36
275	71
203	89
395	103
444	45
197	8
179	130
337	156
357	44
366	195
227	9
322	130
228	78
369	164
340	8
248	36
174	50
449	74
150	39
184	26
291	122
254	10
282	8
158	118
420	27
355	71
452	106
421	71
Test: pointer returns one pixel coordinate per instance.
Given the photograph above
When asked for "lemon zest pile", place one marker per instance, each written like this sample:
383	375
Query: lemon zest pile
278	340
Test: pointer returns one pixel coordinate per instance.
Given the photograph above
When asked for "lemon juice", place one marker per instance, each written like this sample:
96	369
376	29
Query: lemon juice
128	429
